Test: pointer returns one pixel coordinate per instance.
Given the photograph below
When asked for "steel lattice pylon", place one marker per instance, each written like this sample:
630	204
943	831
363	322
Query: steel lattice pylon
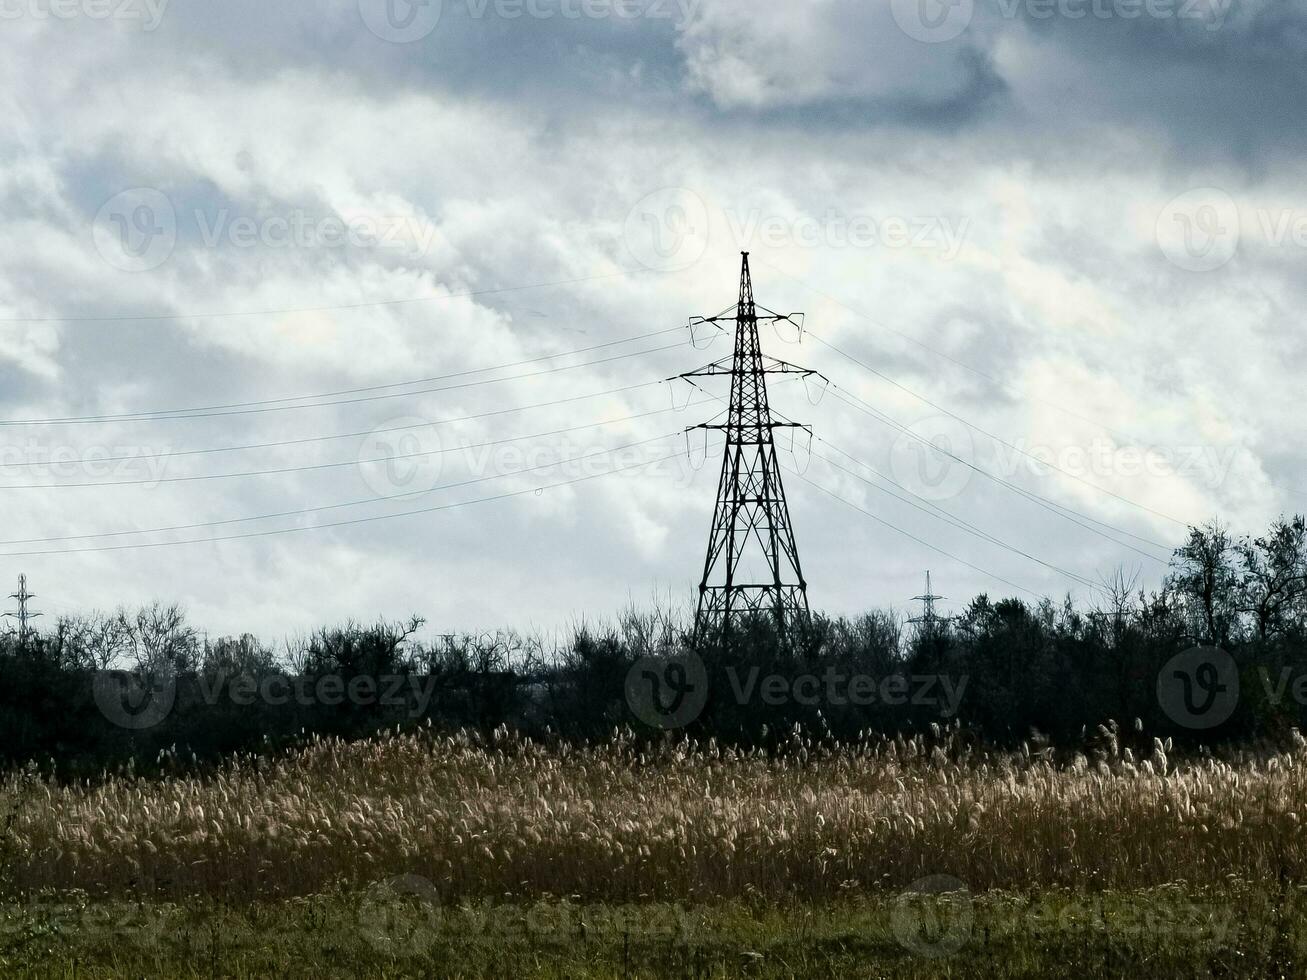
751	517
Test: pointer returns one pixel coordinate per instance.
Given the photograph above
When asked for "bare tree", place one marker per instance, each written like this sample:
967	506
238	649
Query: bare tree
1206	576
1274	574
164	641
96	641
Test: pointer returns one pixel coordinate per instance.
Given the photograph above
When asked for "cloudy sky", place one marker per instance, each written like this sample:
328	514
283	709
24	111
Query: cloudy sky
1059	239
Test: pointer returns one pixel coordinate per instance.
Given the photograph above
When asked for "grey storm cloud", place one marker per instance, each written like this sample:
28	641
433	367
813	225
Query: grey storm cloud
1030	159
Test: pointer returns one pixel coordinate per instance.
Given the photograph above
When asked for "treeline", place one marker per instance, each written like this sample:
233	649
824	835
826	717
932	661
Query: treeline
102	690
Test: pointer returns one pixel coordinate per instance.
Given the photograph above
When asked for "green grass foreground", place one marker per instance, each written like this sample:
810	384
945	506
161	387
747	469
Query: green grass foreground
394	930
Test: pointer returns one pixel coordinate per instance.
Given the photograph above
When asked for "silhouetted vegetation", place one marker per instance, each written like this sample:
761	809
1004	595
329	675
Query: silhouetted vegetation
998	671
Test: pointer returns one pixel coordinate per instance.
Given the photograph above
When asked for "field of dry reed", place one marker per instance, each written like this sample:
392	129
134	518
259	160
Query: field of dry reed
506	819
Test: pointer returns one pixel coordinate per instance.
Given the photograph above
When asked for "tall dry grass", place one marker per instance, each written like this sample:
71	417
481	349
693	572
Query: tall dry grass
685	821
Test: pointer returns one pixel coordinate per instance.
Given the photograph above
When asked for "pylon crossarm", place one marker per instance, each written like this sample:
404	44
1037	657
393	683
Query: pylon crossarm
765	425
718	367
776	366
716	321
794	318
720	317
696	320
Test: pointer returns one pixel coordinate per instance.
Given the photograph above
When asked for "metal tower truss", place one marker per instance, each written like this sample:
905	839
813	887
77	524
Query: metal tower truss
929	620
752	564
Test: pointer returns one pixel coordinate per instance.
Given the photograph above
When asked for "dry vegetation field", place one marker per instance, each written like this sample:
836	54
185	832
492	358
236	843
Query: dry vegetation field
664	843
688	822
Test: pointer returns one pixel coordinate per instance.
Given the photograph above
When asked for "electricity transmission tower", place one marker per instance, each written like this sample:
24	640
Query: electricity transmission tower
23	615
751	520
928	621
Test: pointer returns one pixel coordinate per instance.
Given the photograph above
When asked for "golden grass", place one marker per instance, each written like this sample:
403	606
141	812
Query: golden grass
687	822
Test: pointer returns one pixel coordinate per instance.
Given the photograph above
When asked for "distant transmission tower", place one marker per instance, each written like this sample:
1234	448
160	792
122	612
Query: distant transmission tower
751	519
23	615
928	621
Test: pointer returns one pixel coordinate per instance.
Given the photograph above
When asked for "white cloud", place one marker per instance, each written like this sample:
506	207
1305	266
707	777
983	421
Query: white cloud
1056	289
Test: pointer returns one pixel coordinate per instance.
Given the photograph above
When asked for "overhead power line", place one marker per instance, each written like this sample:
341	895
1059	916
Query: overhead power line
300	512
989	435
438	377
358	434
1117	434
937	513
372	519
996	382
168	415
1059	510
155	481
369	305
947	518
921	541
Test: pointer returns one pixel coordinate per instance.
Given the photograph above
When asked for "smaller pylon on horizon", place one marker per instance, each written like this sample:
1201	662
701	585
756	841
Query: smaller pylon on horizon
928	621
24	615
